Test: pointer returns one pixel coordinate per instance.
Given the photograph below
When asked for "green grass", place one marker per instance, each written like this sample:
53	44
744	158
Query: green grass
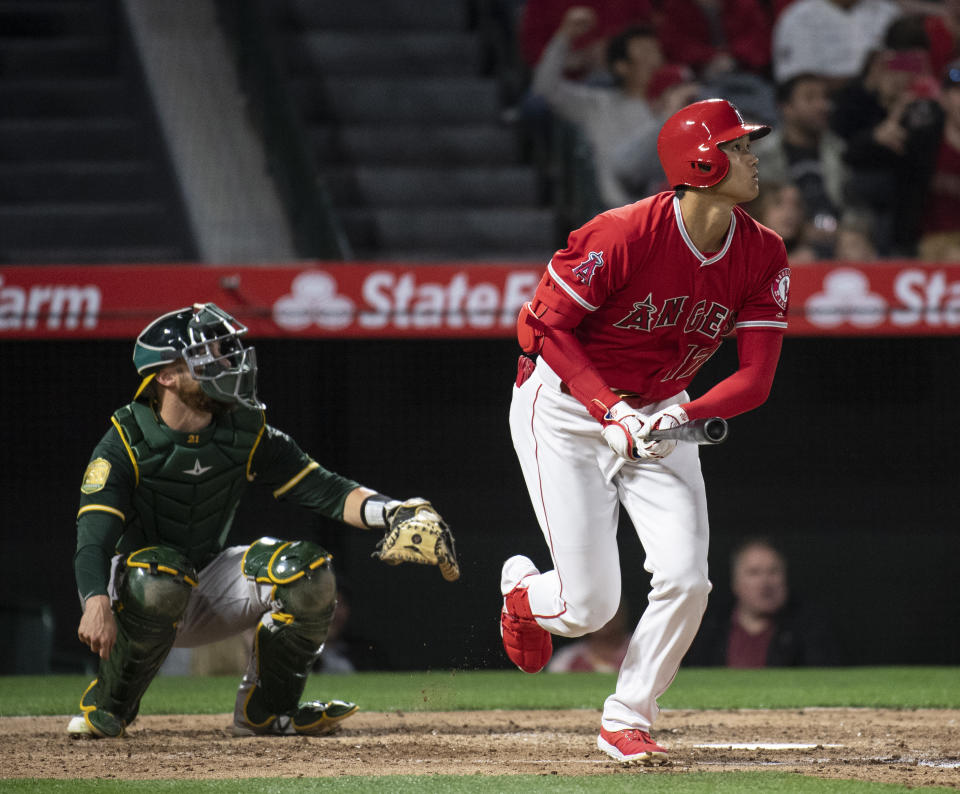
875	687
890	687
693	783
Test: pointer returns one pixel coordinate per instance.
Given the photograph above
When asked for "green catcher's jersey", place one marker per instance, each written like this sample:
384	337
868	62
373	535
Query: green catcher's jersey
147	484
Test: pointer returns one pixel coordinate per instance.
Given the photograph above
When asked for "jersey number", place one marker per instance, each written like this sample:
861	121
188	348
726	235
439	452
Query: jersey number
696	357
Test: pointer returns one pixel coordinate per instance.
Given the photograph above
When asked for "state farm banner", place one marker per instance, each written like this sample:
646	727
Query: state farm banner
331	299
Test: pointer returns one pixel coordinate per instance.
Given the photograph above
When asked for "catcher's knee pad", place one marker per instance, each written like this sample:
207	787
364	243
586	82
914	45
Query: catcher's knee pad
288	639
153	588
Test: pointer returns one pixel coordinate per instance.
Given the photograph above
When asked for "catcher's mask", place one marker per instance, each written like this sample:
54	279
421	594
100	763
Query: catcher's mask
208	340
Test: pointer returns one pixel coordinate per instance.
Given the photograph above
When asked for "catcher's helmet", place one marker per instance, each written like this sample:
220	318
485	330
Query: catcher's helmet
208	340
689	139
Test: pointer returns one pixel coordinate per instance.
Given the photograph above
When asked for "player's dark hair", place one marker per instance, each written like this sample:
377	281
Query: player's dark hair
619	45
149	394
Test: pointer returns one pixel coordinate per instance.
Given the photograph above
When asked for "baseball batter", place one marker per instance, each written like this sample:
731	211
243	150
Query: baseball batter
623	318
157	501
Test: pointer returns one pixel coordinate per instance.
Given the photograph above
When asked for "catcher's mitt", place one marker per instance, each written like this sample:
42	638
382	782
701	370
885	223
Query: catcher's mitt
417	533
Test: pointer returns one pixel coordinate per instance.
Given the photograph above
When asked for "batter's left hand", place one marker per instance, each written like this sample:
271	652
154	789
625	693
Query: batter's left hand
662	420
623	429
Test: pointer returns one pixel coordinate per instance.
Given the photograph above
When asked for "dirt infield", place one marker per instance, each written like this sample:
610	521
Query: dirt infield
915	748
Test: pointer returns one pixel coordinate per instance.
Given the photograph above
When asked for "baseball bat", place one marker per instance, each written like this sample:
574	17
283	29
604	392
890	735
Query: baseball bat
697	431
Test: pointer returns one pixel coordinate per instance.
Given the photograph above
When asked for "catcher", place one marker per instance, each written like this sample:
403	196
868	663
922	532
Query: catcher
157	501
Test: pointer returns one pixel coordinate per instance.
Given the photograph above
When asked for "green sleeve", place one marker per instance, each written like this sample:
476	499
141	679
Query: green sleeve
280	464
105	509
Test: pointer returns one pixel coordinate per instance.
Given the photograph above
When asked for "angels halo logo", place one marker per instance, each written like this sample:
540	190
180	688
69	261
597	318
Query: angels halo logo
780	288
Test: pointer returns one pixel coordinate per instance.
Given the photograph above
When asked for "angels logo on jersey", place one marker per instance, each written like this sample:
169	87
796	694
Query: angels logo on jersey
588	268
781	287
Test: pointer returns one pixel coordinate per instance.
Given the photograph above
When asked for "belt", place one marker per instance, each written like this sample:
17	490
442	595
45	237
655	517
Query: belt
631	398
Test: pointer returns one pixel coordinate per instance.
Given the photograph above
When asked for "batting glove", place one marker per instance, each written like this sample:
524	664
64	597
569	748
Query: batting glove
662	420
624	430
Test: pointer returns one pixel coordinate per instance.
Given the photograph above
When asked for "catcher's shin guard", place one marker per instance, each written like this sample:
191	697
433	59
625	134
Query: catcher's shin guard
288	641
153	590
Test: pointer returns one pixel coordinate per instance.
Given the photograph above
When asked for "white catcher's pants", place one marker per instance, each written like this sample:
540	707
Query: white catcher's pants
564	458
224	602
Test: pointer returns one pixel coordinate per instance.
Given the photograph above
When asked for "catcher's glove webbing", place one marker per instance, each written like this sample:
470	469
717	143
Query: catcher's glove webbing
417	533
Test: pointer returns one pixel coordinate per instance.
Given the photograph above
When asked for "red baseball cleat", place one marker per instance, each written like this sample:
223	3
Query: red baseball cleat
527	644
632	746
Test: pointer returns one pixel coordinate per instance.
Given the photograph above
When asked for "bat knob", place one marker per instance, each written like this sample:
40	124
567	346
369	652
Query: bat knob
715	429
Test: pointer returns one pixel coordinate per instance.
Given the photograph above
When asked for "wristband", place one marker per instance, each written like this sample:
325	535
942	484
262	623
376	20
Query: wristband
373	510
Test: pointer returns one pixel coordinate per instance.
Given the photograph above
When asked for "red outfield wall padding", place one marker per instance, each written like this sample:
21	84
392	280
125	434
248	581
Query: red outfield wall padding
332	299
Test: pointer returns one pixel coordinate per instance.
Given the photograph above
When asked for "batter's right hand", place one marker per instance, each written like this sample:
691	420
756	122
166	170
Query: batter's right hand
624	430
98	628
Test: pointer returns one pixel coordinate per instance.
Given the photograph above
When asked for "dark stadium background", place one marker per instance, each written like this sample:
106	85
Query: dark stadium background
851	466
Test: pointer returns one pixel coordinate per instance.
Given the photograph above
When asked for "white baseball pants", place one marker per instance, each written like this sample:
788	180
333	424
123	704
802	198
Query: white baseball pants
565	463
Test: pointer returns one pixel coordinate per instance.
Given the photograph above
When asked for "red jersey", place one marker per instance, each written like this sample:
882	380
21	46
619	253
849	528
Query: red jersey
653	308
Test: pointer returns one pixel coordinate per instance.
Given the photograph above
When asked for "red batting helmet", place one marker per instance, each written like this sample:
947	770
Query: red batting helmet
689	139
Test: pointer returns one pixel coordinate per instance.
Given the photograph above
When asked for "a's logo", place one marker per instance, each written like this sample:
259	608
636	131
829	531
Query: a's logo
780	288
95	477
846	298
313	300
588	268
197	469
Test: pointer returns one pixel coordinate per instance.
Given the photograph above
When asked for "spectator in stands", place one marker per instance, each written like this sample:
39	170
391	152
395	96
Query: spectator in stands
940	241
634	160
600	652
716	37
764	628
344	650
803	151
829	37
855	239
943	29
727	43
604	116
891	123
780	207
586	57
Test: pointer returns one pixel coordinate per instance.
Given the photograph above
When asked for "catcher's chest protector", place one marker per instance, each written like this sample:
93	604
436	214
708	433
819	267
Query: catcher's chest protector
190	484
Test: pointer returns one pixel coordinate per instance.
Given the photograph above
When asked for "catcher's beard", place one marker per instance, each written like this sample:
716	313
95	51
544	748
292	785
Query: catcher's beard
190	393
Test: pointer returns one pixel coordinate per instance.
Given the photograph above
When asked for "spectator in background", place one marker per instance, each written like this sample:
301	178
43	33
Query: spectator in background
891	123
586	57
727	43
780	207
829	37
855	239
716	37
803	151
764	628
940	240
604	116
634	160
600	652
943	30
344	651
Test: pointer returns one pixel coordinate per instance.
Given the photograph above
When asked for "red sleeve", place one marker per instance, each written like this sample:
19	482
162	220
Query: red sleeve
581	275
569	360
758	350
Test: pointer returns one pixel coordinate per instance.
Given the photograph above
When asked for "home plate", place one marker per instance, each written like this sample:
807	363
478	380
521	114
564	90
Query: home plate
764	746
